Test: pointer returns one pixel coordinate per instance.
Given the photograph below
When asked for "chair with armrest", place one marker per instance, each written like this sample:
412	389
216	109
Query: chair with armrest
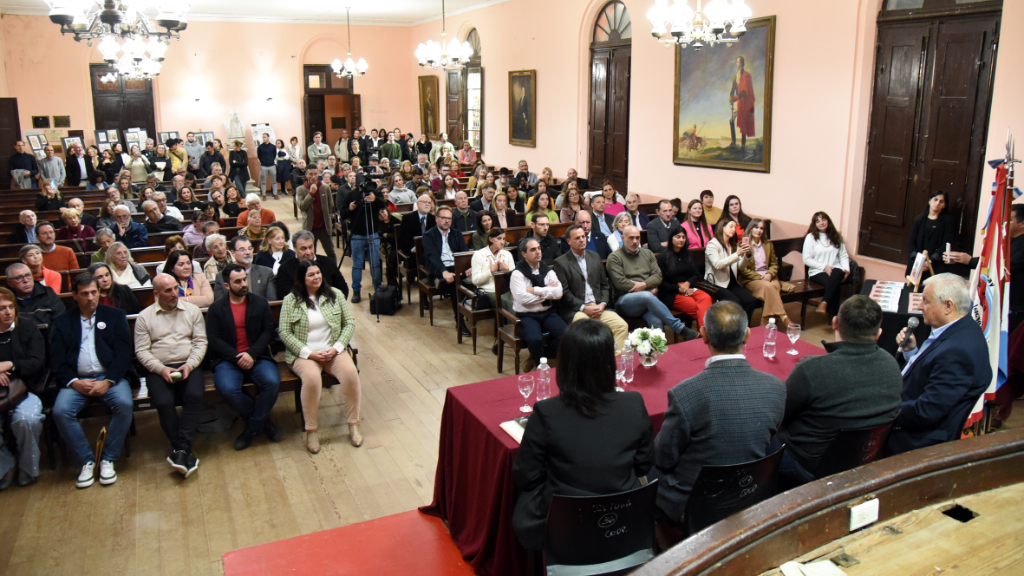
425	283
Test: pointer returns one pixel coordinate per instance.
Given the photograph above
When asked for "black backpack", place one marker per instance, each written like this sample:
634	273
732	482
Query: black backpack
386	301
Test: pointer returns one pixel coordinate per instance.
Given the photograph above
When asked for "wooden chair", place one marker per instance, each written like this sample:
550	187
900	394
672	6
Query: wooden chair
721	491
852	448
471	309
425	283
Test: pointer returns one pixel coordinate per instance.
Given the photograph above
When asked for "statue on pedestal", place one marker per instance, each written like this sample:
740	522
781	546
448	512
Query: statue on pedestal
235	128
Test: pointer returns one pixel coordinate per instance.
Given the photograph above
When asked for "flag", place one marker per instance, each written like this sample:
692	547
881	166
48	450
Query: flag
990	285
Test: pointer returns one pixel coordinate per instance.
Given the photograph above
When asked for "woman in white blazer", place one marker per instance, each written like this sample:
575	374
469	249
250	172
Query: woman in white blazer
827	260
723	257
486	261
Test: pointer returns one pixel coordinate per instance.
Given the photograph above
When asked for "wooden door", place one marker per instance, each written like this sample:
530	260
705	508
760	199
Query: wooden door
123	103
10	132
357	111
609	116
316	116
598	168
453	111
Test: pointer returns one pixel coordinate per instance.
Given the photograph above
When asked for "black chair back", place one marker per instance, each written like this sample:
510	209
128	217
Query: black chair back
721	491
600	534
852	448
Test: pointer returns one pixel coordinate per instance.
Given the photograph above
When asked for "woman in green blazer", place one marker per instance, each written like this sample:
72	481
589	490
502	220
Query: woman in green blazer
316	327
760	275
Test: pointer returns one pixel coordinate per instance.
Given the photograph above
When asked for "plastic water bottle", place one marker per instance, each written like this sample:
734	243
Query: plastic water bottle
771	332
543	380
627	357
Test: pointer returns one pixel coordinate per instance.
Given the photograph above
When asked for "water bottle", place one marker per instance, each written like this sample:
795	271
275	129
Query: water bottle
771	332
627	356
543	380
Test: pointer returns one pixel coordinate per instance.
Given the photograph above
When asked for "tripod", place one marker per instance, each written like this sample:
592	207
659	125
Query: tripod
372	247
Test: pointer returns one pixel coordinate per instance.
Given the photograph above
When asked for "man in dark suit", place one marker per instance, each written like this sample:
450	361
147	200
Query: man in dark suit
586	292
440	244
239	329
639	219
725	415
77	160
260	279
91	354
415	224
26	233
595	241
304	250
603	222
657	229
485	199
465	217
944	378
521	127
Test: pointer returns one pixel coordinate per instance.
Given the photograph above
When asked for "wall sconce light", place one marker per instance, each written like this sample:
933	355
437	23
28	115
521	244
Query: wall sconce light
197	100
269	98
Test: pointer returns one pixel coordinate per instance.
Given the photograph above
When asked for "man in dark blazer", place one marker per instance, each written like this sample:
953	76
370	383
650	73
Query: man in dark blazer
945	376
725	415
415	224
260	278
234	362
596	241
440	244
76	160
586	292
305	250
638	218
550	247
484	202
657	229
91	354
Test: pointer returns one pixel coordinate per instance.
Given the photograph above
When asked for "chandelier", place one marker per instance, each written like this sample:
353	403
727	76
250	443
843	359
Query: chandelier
722	22
349	69
123	26
433	55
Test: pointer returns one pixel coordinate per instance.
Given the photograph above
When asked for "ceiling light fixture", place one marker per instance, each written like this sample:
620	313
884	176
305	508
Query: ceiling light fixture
722	22
433	55
349	69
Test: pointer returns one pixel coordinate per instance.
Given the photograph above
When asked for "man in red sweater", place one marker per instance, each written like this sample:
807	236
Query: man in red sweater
58	258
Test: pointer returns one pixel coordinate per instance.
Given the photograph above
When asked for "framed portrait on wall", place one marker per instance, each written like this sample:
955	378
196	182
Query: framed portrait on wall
723	102
429	107
522	108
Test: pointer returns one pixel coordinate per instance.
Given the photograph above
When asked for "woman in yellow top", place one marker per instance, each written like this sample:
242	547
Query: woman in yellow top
179	157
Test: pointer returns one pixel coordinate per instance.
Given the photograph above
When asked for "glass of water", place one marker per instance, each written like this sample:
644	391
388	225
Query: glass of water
525	388
793	332
620	370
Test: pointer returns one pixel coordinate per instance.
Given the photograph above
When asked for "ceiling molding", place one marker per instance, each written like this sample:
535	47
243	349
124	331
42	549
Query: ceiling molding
340	19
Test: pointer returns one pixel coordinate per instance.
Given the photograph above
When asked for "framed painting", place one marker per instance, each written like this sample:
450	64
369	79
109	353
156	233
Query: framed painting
522	108
429	111
723	102
68	141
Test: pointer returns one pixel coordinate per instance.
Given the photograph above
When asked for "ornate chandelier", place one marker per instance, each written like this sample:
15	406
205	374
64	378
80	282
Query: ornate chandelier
433	55
349	69
722	22
124	26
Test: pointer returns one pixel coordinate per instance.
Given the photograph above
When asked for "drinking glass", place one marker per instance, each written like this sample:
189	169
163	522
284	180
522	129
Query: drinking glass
620	371
793	332
525	388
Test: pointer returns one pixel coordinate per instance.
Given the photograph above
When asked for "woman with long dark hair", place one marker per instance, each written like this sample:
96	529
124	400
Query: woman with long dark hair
111	293
827	260
932	231
484	223
760	274
734	211
316	327
587	441
697	229
723	258
679	277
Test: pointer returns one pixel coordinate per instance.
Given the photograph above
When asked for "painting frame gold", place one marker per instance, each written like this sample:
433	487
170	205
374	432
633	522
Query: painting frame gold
723	156
523	133
429	88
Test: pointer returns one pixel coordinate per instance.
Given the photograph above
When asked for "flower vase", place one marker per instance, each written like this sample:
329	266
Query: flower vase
649	360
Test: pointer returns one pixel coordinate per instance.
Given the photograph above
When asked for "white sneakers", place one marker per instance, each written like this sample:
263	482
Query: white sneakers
107	474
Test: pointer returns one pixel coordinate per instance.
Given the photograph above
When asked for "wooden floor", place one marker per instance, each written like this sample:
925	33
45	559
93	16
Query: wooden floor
154	522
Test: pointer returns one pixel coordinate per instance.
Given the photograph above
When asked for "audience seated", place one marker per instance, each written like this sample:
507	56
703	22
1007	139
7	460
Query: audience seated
679	278
711	213
727	414
759	274
698	231
603	221
596	242
128	232
945	376
260	278
274	250
35	300
856	385
240	328
541	204
32	256
734	211
536	292
254	228
170	343
73	228
26	233
253	202
723	258
587	441
166	210
571	204
111	293
658	229
91	359
157	222
316	327
618	225
22	360
484	224
586	292
55	257
488	260
485	202
192	285
217	247
124	268
304	250
634	275
827	260
86	218
439	246
550	247
49	198
464	216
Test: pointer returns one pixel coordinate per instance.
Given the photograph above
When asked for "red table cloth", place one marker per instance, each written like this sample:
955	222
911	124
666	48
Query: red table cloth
473	487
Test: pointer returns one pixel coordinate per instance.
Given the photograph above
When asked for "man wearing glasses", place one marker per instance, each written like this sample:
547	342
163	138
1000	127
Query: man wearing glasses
440	244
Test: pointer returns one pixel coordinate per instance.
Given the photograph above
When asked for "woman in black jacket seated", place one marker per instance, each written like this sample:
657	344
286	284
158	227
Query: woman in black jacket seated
679	277
49	198
111	293
587	441
22	359
933	229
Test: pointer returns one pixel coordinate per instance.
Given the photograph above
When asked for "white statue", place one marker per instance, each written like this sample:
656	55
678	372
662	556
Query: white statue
235	128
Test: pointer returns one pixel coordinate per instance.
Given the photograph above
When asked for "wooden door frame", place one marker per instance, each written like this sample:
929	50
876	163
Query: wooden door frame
610	48
95	68
327	89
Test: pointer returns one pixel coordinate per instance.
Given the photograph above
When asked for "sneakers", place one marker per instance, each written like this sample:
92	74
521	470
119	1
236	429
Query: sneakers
107	474
191	463
177	461
270	431
244	439
85	478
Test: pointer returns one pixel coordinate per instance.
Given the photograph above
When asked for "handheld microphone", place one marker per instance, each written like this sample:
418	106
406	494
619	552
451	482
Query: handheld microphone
911	324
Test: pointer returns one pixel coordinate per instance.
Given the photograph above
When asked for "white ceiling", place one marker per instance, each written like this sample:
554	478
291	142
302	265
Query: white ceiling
367	12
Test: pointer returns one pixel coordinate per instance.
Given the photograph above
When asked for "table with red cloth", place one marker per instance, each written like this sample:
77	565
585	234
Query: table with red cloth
474	492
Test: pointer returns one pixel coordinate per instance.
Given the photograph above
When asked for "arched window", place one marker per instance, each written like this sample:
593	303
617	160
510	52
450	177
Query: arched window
473	96
613	24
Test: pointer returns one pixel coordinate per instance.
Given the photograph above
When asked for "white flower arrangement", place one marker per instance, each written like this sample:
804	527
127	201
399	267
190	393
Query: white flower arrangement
648	340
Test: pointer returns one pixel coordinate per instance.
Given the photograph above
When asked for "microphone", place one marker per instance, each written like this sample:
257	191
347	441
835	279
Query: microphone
911	324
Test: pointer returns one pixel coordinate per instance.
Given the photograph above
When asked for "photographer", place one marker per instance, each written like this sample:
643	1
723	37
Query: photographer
362	209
